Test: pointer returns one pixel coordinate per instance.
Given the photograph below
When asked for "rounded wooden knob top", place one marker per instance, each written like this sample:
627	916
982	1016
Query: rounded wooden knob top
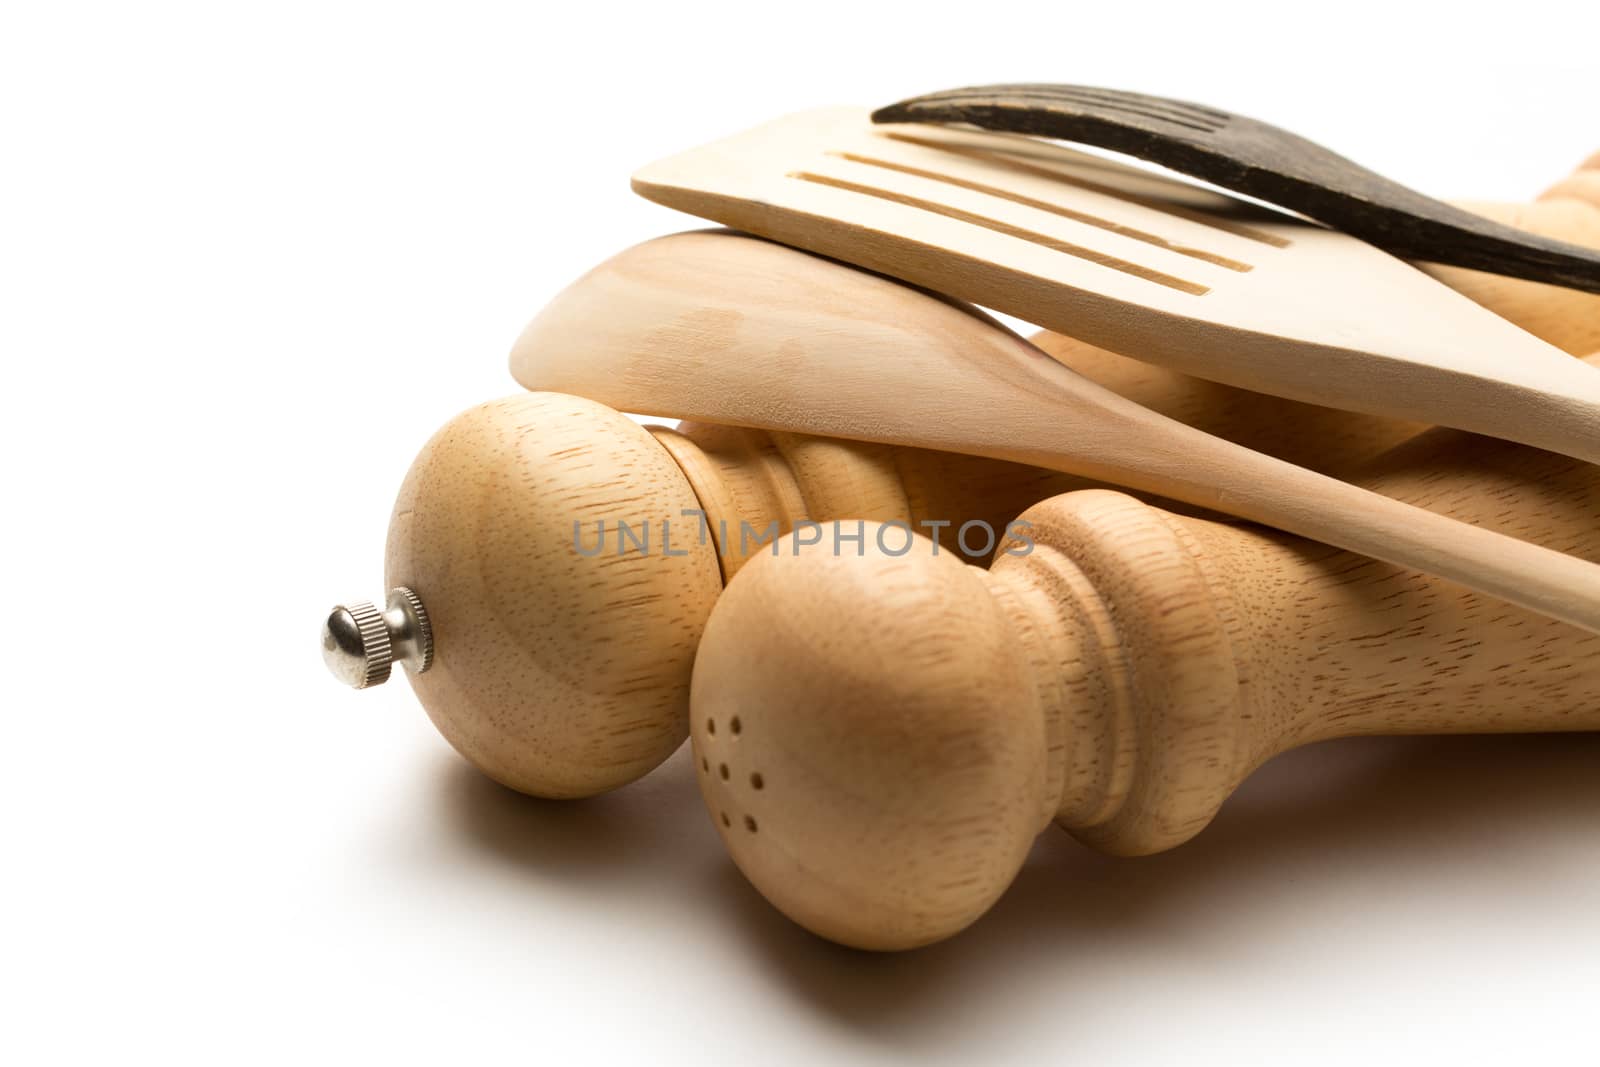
878	774
1583	184
561	661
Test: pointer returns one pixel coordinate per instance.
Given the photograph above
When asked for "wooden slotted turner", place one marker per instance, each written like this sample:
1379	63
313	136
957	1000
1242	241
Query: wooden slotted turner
1149	267
730	329
1261	160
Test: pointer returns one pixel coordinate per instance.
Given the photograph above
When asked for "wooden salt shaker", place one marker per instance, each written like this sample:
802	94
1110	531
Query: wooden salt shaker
880	737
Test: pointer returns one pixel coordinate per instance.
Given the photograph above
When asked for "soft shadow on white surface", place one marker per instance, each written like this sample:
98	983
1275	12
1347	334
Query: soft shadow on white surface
1334	855
1334	812
625	833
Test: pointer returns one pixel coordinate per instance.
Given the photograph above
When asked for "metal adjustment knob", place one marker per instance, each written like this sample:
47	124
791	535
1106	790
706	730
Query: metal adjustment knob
360	644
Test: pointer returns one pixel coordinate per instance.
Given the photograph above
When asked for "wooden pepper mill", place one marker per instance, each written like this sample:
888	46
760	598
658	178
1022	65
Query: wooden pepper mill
562	671
553	650
563	560
880	737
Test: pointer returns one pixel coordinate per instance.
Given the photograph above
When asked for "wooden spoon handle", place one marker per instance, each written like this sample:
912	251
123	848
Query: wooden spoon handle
1105	436
1346	516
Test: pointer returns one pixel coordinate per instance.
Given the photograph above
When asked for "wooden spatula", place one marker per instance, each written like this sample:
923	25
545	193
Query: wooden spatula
1142	265
734	330
1264	161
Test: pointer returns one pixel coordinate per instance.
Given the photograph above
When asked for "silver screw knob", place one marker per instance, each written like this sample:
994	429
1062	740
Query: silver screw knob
360	644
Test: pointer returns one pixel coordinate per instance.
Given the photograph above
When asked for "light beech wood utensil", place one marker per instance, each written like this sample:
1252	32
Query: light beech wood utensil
1141	265
1329	440
647	332
589	689
1567	318
1252	157
879	738
555	716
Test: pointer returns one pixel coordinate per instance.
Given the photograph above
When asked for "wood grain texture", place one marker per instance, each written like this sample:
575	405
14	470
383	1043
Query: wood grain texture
1566	318
589	689
555	674
563	656
751	334
1228	293
881	737
1318	438
1326	439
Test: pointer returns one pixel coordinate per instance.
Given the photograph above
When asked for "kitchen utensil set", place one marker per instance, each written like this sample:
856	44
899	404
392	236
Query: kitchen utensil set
881	725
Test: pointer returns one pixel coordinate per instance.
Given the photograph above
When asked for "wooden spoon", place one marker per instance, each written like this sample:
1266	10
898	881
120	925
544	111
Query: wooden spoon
726	328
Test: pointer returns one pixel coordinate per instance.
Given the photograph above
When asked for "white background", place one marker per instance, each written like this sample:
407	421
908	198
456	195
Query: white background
252	255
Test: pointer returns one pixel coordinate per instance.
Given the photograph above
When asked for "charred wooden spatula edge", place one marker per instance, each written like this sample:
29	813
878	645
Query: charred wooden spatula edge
1263	161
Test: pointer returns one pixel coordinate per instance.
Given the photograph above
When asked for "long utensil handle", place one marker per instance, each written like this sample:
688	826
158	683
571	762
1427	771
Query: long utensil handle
1197	468
1073	424
1346	516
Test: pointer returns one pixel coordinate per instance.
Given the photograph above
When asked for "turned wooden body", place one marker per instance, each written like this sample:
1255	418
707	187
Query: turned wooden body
915	722
564	650
1567	318
565	674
